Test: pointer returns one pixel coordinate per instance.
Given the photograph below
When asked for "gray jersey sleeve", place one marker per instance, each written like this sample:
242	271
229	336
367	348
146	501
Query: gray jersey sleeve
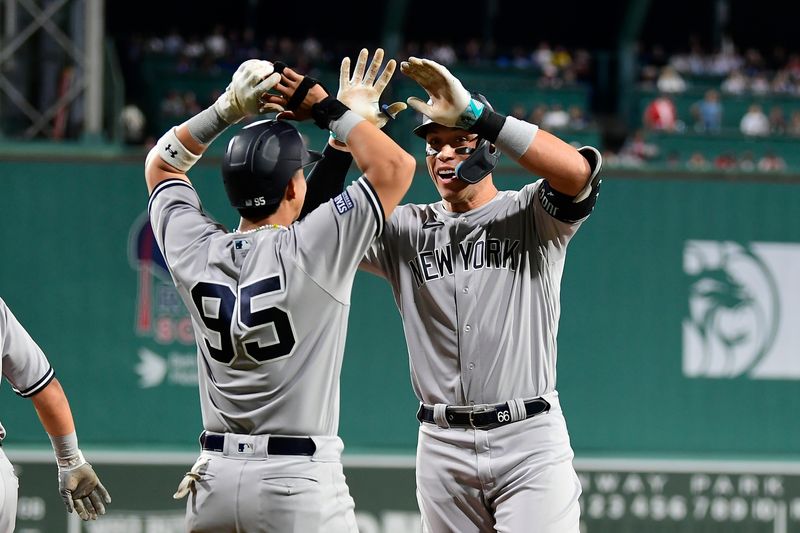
24	364
553	233
178	221
331	257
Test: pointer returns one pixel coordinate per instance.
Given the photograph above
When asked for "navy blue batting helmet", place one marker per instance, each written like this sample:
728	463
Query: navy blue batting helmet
260	160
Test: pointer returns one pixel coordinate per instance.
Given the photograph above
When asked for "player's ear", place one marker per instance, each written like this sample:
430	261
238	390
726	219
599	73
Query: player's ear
293	187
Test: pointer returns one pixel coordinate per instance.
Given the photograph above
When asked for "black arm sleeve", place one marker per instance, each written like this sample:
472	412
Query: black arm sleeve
326	180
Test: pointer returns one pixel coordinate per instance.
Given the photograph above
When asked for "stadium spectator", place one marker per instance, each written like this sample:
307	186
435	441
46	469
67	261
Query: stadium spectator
793	128
577	118
760	85
771	162
638	148
132	122
725	161
697	161
216	44
173	105
708	112
777	120
670	81
661	114
537	114
754	122
555	118
747	162
735	83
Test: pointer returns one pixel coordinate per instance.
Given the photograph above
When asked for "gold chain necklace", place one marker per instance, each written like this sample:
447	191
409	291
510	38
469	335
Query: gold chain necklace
266	226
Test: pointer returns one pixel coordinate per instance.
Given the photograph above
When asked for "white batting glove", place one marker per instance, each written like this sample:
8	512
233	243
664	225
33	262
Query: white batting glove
81	489
190	478
362	92
243	96
450	103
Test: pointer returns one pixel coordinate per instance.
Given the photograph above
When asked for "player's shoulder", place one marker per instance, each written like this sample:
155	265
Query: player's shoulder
524	194
411	215
171	190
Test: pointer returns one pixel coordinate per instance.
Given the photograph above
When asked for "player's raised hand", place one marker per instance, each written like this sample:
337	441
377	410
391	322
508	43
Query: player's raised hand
450	104
362	92
245	95
82	491
296	93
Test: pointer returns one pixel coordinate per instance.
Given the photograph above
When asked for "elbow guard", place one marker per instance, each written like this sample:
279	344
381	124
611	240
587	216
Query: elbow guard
570	209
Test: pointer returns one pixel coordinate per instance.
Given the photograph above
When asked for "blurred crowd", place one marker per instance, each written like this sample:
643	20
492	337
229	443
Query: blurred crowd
748	72
765	82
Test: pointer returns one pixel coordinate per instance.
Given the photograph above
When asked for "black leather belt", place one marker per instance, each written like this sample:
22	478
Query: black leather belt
483	416
276	445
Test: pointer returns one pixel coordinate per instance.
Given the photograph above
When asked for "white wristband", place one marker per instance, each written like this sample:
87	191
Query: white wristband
515	137
341	127
68	455
174	153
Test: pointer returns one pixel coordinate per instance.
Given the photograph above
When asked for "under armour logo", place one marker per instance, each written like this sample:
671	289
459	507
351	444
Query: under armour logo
172	153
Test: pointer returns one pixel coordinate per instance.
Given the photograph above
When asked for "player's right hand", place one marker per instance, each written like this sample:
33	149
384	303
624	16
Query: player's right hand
82	491
244	96
450	104
362	92
191	477
288	85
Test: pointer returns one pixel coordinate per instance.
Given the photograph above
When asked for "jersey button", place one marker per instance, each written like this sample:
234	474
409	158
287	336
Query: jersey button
467	327
466	290
472	366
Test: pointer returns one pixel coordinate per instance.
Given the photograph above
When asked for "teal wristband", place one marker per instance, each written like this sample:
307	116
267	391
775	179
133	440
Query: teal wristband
470	115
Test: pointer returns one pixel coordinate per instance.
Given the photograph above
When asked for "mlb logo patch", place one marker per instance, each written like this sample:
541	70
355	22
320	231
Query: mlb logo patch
241	244
246	448
343	203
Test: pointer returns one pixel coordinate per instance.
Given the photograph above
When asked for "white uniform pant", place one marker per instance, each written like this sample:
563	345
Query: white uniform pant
9	488
516	478
248	493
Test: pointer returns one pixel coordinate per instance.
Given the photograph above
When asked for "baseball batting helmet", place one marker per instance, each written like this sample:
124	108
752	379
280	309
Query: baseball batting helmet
480	162
260	160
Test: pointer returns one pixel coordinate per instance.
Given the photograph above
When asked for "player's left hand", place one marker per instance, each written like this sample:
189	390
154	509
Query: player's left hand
244	95
450	103
82	491
362	92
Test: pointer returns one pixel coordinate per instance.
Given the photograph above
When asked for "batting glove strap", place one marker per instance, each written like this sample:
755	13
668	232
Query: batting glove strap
487	124
326	111
70	462
300	93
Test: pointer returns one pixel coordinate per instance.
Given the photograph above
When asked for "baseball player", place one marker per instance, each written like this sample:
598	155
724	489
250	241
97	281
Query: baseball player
270	301
476	277
31	376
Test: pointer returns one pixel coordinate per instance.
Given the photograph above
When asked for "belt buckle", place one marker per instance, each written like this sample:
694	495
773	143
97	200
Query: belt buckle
479	410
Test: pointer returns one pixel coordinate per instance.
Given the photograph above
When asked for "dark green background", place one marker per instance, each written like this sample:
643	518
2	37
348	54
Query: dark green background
66	274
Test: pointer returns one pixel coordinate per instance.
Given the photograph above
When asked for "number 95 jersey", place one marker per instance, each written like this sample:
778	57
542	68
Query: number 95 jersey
269	308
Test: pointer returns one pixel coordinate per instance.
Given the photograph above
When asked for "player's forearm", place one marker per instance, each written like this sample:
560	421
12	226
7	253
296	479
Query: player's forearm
538	151
558	162
326	180
180	147
53	409
386	165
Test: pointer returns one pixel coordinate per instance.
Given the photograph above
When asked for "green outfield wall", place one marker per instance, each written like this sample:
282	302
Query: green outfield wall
680	329
618	497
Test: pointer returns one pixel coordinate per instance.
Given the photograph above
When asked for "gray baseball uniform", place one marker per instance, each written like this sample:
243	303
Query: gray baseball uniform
269	310
28	371
478	293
